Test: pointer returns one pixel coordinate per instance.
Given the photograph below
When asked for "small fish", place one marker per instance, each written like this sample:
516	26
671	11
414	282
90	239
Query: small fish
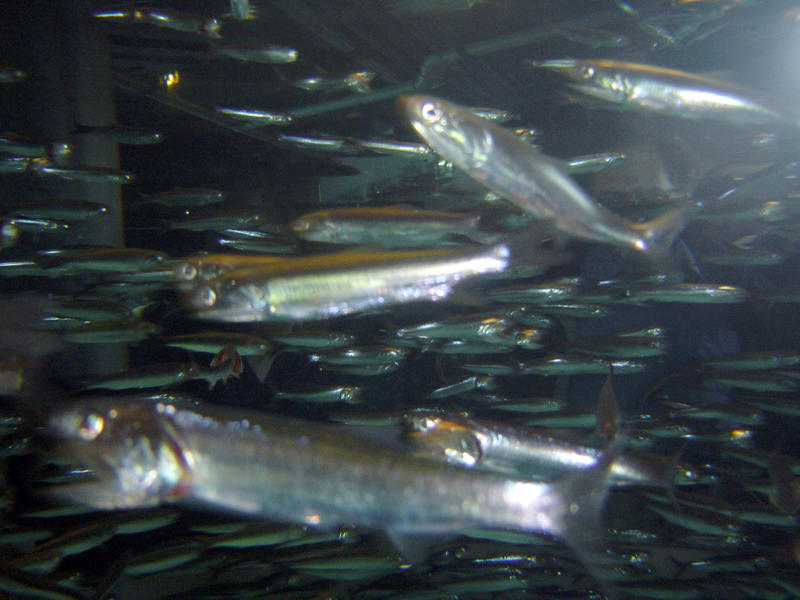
495	115
358	82
164	17
111	332
348	394
534	182
393	147
58	209
12	75
256	117
258	53
129	136
594	38
322	143
185	197
88	174
690	293
241	10
592	163
607	409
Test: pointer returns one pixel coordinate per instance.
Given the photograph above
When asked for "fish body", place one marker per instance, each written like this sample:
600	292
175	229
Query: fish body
146	454
534	182
357	82
669	92
319	287
185	197
258	53
388	226
257	116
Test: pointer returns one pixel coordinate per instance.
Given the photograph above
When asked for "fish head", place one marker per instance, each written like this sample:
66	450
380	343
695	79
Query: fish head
453	132
229	299
592	78
134	453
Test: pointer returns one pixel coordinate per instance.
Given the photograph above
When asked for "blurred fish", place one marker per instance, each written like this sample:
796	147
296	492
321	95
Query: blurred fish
592	163
525	452
495	115
691	293
88	174
594	38
307	473
130	136
256	117
185	197
164	17
12	75
534	182
241	10
668	91
348	394
257	53
607	409
358	82
386	226
58	209
111	331
227	363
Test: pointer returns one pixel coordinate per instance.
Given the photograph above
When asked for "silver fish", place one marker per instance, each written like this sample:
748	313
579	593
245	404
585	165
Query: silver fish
534	182
668	91
146	454
319	287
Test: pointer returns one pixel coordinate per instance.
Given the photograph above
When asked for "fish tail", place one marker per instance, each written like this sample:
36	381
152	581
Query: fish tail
578	499
659	233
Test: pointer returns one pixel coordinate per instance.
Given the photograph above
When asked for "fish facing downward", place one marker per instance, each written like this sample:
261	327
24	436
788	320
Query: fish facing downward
536	183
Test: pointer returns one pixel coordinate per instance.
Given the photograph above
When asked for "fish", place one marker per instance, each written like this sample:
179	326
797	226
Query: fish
669	92
58	209
608	409
130	136
257	53
386	226
531	180
295	471
320	287
256	117
185	197
12	75
358	82
166	18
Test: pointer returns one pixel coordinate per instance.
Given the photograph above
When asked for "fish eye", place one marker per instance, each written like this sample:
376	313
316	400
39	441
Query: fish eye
587	72
187	271
208	296
91	427
431	113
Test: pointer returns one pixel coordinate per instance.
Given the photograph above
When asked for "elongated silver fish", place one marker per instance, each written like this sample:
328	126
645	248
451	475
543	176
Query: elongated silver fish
534	182
145	454
670	92
319	287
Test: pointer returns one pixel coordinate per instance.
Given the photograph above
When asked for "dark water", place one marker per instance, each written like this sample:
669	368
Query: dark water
86	71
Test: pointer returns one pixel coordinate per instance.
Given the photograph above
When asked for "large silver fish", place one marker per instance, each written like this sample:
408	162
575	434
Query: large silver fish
669	91
342	283
534	182
147	453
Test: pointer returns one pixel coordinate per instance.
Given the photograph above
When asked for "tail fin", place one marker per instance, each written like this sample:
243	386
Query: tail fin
659	233
582	494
